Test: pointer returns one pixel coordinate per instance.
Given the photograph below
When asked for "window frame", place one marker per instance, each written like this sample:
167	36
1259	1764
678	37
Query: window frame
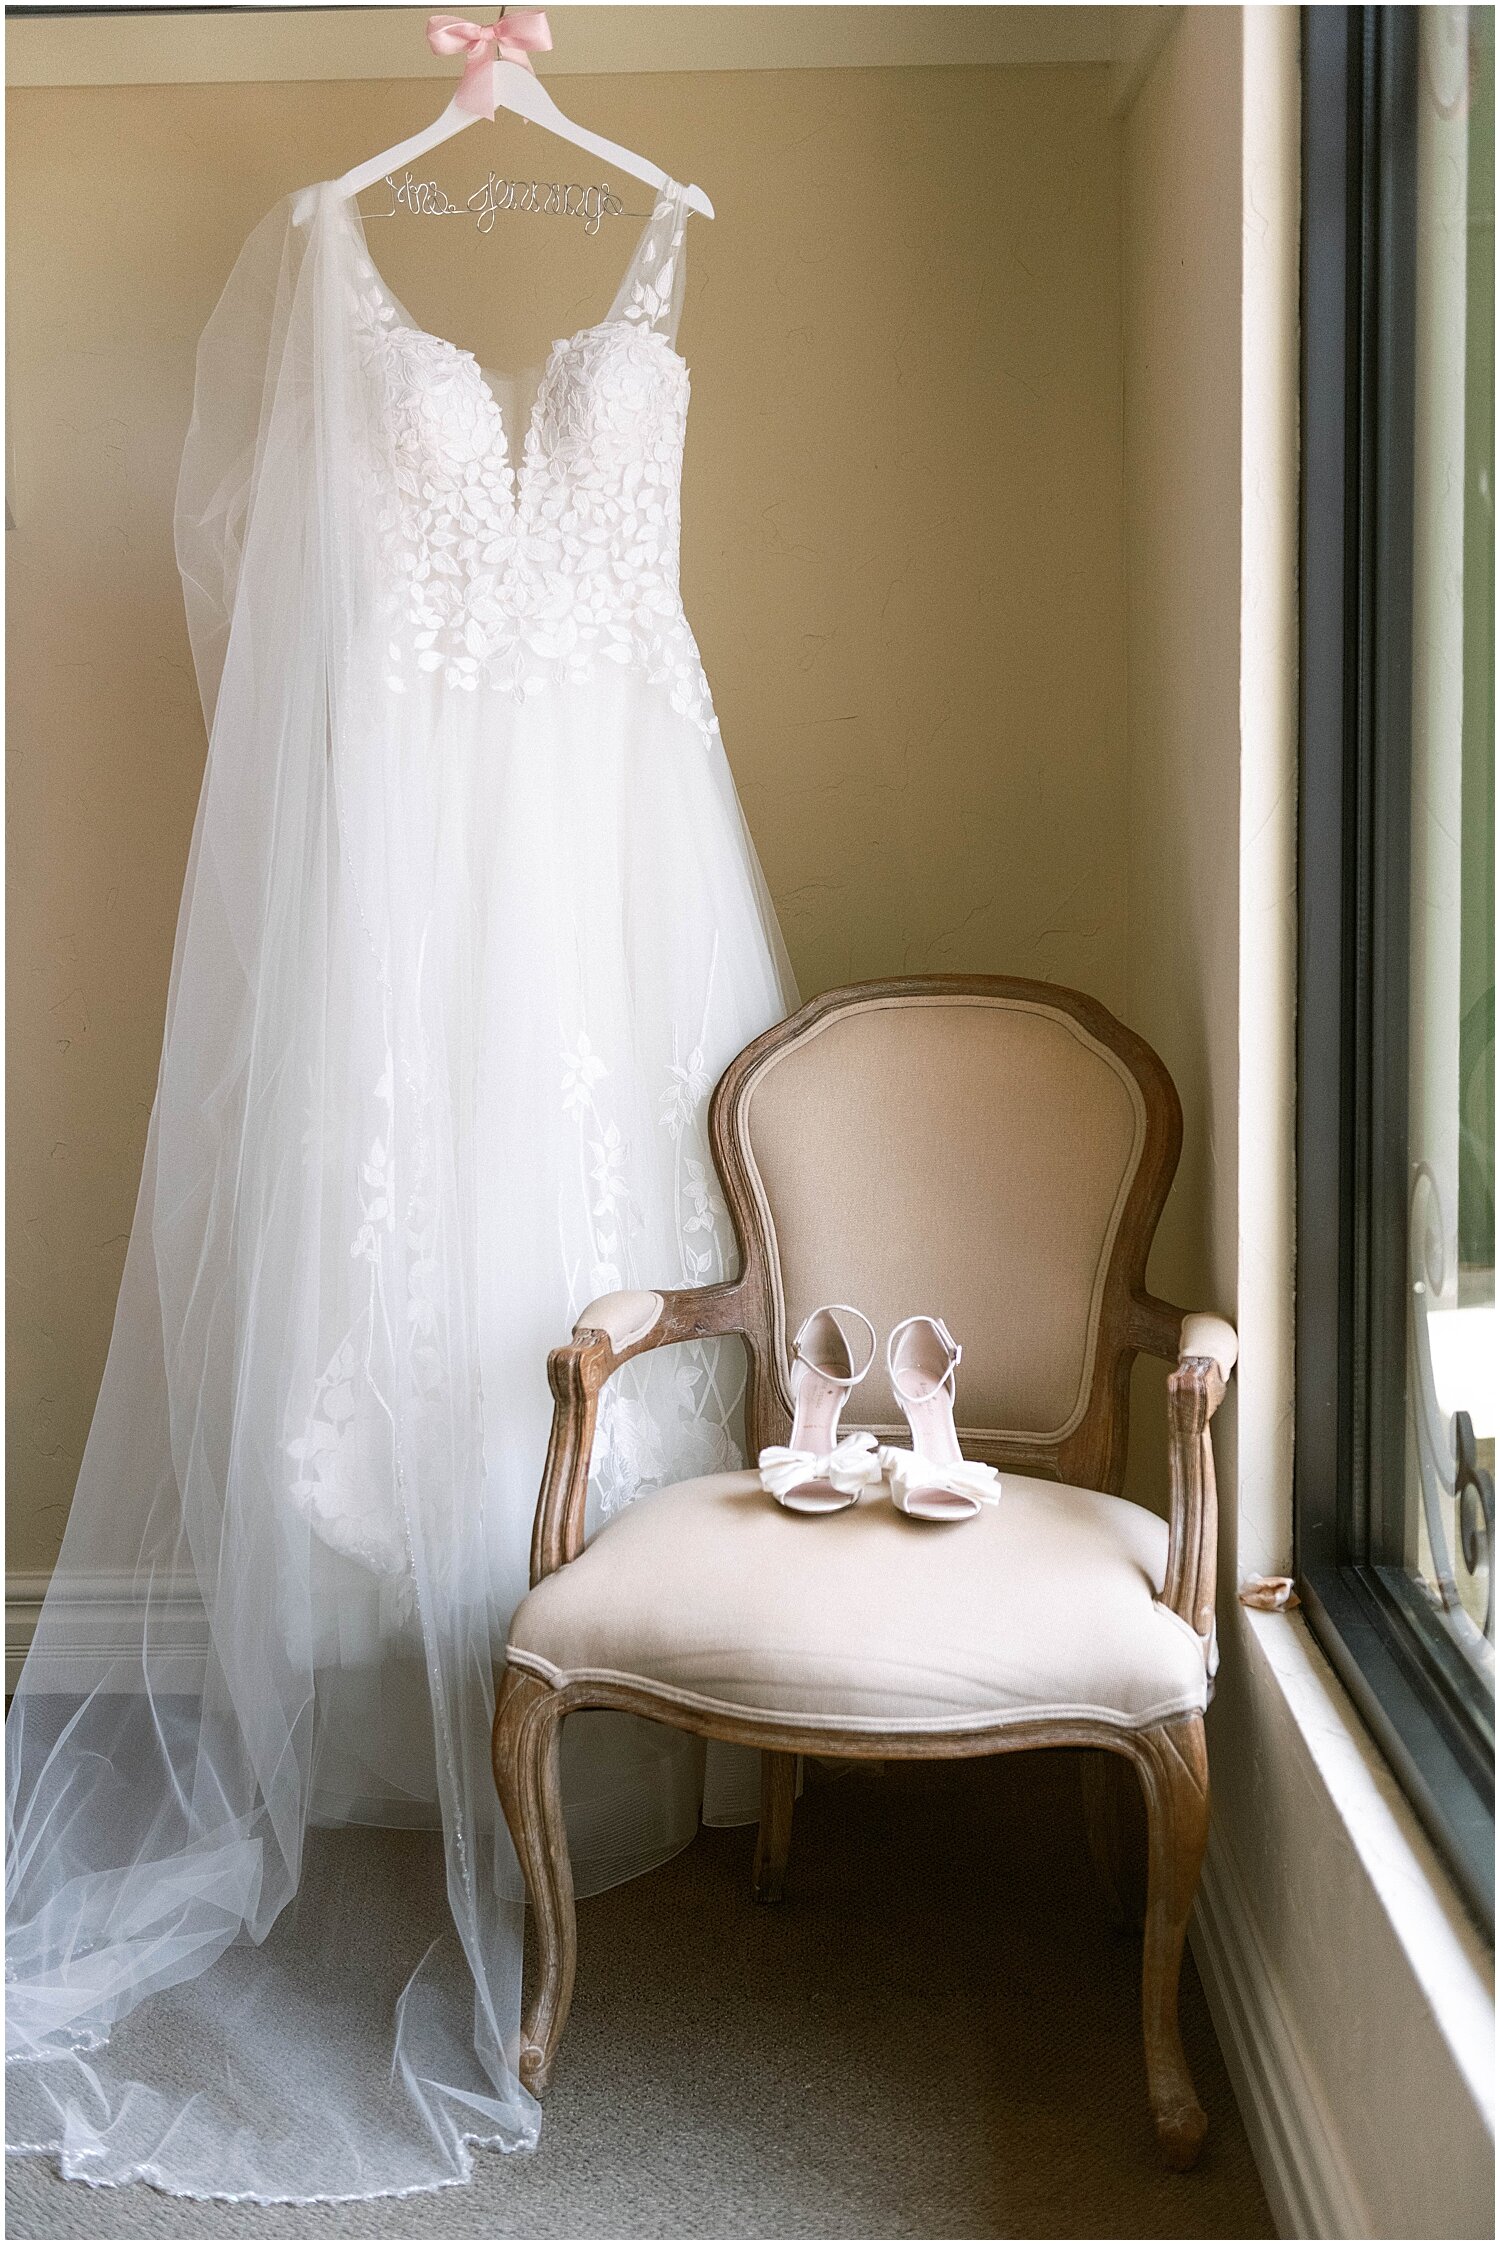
1358	276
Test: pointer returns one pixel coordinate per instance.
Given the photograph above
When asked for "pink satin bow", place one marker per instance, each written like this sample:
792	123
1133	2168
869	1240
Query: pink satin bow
515	36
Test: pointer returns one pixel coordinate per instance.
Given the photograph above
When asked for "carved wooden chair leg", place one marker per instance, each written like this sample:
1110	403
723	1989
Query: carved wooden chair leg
1115	1823
528	1732
778	1793
1173	1763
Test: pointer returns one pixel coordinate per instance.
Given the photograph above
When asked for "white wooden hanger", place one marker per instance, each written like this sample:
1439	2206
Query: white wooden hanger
495	78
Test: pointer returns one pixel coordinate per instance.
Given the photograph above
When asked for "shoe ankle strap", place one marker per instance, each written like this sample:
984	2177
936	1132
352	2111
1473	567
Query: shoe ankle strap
835	1310
939	1326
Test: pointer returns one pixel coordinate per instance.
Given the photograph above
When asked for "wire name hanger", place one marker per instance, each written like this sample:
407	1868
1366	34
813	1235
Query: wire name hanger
498	75
549	198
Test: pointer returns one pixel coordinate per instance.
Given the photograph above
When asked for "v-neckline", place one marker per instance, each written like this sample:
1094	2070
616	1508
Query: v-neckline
508	392
512	452
350	210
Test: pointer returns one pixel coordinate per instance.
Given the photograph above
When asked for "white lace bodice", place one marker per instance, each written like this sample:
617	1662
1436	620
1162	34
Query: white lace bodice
515	574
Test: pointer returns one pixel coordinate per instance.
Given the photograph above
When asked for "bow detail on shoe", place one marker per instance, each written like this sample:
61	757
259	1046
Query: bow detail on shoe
908	1471
854	1464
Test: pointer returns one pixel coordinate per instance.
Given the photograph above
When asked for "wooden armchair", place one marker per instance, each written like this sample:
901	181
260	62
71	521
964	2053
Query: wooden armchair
998	1153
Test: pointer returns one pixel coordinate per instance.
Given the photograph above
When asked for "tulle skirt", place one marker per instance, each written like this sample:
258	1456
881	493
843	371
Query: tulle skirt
511	947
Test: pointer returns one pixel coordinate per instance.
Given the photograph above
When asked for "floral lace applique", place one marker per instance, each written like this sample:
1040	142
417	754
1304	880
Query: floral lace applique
346	1476
668	1417
332	1481
516	576
687	1088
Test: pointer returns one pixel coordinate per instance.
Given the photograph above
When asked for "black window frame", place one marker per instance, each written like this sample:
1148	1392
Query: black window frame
1358	272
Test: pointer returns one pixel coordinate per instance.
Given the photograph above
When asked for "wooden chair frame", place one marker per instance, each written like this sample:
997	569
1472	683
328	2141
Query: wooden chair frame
1169	1760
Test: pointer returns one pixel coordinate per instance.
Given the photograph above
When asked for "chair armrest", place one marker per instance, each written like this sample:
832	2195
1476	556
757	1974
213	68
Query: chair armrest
608	1334
623	1319
1206	1335
1207	1347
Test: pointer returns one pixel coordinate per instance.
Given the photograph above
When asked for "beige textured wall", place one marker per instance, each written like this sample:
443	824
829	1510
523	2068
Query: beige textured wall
902	556
1181	258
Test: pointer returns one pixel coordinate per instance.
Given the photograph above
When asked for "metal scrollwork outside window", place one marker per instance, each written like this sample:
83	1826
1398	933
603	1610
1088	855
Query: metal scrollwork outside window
1458	1493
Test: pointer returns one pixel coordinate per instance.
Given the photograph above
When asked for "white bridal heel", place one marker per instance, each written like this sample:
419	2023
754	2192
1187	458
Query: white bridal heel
933	1480
814	1471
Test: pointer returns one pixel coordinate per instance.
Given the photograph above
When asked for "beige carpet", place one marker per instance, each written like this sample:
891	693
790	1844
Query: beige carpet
935	2036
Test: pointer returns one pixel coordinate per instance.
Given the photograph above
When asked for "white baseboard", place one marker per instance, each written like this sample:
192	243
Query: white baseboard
23	1603
1306	2178
99	1622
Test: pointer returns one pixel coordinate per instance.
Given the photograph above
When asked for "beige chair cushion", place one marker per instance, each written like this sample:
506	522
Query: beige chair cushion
711	1594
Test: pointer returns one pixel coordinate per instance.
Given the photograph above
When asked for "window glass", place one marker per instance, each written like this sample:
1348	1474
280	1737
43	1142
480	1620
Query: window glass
1453	1351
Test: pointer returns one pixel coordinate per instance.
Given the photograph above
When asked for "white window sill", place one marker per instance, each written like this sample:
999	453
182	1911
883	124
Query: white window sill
1450	1960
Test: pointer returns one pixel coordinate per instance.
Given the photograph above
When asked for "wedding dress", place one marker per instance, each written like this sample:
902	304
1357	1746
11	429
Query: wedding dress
471	925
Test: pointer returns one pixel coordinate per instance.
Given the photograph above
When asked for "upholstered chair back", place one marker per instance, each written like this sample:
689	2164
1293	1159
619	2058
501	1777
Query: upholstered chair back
992	1152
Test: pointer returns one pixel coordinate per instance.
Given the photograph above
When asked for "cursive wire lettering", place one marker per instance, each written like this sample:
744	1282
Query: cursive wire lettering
424	198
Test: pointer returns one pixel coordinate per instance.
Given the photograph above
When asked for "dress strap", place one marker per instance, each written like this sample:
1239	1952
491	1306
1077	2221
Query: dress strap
650	295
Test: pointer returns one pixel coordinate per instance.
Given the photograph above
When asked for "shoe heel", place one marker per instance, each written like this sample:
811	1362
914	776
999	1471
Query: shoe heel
814	1471
933	1480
